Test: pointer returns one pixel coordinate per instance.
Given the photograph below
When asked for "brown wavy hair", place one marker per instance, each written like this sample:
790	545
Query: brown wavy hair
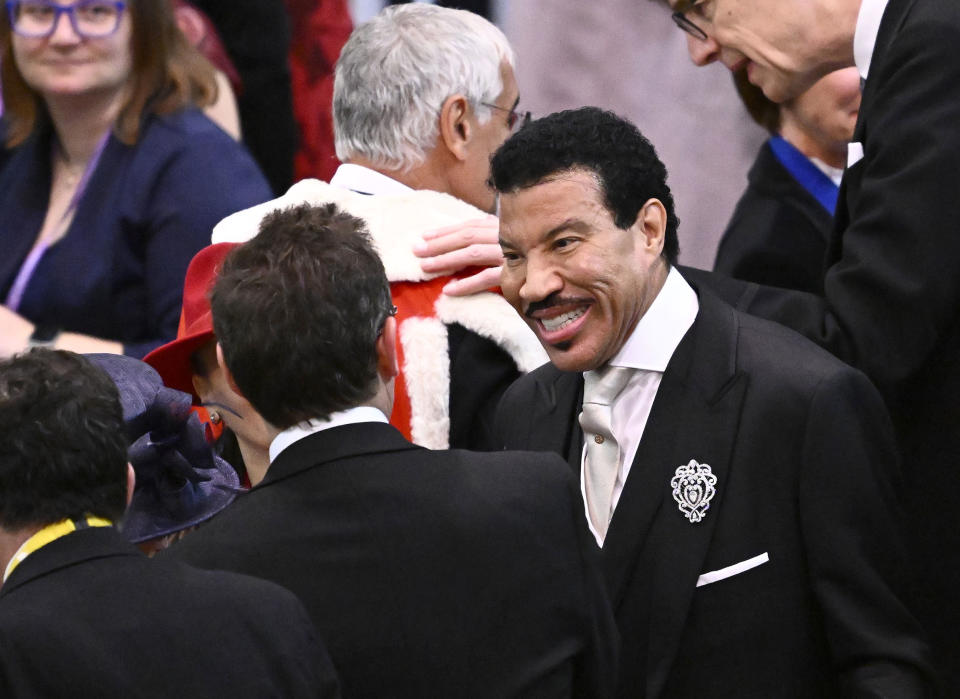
167	74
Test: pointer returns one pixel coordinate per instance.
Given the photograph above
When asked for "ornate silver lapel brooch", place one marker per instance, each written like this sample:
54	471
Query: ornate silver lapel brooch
694	486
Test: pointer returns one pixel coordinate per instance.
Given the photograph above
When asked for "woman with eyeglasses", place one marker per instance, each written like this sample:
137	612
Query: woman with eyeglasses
114	178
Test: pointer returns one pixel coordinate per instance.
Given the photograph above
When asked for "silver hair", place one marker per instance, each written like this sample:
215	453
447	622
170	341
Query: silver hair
395	72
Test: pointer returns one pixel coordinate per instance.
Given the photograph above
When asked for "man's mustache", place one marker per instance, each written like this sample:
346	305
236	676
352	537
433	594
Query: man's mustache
554	299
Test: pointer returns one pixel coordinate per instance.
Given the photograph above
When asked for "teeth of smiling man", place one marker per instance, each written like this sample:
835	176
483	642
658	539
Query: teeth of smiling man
552	324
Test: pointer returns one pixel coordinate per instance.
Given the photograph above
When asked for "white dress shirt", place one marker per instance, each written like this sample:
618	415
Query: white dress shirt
648	350
366	181
834	173
363	413
865	36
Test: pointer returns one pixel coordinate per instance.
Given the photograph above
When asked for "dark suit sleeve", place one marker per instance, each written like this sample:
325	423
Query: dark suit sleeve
851	525
894	288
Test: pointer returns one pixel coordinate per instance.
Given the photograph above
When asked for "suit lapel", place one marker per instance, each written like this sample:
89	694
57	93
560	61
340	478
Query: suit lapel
553	424
570	392
695	416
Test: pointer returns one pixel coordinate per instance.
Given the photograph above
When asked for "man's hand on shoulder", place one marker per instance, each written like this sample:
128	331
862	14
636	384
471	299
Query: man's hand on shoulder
452	248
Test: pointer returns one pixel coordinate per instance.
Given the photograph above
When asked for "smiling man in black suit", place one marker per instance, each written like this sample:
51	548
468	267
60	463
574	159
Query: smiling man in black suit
739	479
430	573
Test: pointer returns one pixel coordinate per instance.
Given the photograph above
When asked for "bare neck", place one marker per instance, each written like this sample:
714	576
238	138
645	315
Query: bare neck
10	543
382	400
81	122
833	153
256	459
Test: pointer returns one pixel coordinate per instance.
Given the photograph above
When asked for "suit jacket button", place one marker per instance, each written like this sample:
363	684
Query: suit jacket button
598	438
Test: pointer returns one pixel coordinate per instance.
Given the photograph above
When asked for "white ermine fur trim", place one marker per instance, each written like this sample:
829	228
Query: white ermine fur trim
491	316
426	369
395	221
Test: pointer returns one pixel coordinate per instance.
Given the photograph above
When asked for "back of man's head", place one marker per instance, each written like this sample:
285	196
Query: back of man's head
622	159
298	310
395	72
63	448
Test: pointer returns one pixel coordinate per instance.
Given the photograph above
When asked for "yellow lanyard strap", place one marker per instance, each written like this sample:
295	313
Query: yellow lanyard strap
49	533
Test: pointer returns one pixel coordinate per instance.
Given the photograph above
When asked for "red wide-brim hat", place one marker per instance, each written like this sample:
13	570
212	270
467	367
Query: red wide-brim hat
172	360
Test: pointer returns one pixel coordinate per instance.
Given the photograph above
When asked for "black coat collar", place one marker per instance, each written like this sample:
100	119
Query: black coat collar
336	443
72	549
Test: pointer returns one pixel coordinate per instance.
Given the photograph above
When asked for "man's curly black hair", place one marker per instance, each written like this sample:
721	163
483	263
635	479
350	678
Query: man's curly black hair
63	445
591	139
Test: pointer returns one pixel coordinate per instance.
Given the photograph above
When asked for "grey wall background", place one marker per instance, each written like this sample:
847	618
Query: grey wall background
627	56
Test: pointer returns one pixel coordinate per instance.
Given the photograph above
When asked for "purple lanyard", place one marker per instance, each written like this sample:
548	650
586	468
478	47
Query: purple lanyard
29	266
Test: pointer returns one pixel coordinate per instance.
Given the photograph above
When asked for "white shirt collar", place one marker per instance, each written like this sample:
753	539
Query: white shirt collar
834	173
654	340
865	36
366	181
363	413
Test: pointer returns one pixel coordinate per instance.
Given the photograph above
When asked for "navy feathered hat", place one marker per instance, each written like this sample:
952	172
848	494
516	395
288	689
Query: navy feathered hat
180	481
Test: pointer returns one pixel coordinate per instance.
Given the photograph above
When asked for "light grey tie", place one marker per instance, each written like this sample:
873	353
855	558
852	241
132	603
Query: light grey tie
602	462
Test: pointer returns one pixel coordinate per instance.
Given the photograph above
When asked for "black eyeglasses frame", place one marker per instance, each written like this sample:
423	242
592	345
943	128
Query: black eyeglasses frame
687	25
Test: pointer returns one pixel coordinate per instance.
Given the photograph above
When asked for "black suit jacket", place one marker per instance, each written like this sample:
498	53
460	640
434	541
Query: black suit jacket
428	573
801	449
891	302
89	616
778	232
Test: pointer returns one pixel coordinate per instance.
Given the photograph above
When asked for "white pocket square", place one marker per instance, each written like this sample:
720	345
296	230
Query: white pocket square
728	572
854	153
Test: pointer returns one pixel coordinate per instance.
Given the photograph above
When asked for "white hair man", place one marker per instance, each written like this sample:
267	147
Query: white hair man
423	96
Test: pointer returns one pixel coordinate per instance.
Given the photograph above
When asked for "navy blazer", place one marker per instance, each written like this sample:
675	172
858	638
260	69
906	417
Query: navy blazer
118	272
